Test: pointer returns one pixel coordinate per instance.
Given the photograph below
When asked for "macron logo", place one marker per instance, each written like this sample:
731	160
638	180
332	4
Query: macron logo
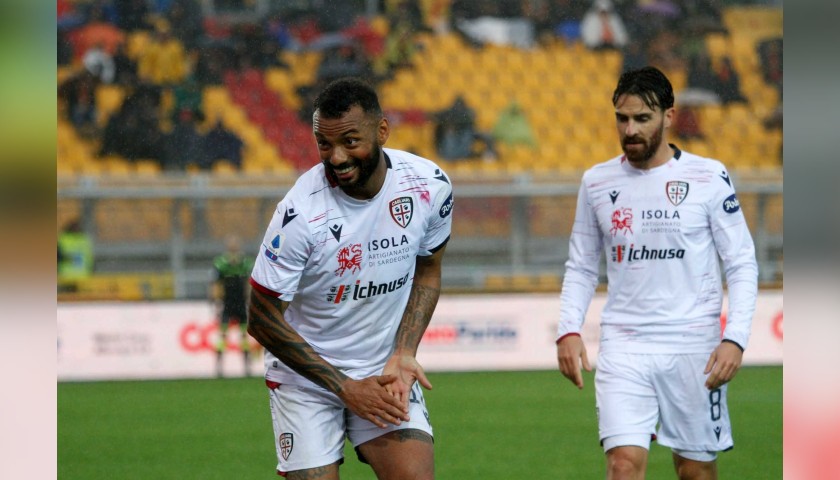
289	215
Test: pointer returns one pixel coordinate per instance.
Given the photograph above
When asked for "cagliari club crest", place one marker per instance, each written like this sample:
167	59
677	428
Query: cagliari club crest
287	441
676	191
401	210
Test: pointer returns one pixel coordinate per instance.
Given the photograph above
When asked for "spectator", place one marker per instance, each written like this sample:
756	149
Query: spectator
400	48
254	48
125	69
100	63
213	61
97	31
512	127
770	55
188	95
729	82
79	96
774	120
66	15
75	253
222	144
702	85
555	18
186	14
184	146
407	13
702	16
487	22
687	124
163	61
134	132
456	133
343	61
602	28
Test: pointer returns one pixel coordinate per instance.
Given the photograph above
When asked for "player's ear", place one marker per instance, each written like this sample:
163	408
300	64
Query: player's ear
383	131
669	117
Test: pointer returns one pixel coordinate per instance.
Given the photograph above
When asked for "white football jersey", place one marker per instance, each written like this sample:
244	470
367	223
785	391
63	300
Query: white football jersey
664	232
346	265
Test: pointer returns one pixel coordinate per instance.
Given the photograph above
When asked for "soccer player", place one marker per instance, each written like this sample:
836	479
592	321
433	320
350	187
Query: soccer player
230	285
344	286
663	217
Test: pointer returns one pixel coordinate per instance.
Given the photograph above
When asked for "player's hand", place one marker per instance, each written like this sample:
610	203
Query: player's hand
407	371
369	399
723	364
571	355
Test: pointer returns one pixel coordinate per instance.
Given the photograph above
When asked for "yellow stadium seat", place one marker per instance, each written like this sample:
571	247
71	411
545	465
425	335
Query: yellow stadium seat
522	281
223	167
147	167
496	282
136	43
108	100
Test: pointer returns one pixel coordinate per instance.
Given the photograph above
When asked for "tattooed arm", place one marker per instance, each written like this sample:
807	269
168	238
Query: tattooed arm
367	398
422	300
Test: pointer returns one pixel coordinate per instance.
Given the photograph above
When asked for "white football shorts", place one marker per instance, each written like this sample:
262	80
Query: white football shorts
635	392
310	425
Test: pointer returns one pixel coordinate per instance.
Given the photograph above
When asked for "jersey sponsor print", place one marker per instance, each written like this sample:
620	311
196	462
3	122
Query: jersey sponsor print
346	265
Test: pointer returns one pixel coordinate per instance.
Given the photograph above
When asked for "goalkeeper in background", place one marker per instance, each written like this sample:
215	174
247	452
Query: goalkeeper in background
231	271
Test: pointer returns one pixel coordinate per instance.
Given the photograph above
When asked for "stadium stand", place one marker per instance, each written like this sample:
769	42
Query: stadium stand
564	90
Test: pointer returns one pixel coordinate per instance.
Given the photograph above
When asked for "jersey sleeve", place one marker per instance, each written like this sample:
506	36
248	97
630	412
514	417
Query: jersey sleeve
284	251
440	221
735	246
581	275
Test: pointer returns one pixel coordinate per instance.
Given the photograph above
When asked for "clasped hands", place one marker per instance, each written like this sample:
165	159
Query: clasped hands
384	398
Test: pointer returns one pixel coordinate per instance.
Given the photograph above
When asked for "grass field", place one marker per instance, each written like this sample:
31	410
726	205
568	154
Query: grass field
523	425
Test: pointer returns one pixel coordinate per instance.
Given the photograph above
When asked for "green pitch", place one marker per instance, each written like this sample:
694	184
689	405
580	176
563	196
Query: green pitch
528	425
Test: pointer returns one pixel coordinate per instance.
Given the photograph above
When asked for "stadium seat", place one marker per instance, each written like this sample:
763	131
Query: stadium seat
147	167
108	99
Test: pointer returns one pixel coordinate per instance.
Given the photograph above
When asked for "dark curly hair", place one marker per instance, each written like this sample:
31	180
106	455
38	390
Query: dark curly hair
650	84
340	95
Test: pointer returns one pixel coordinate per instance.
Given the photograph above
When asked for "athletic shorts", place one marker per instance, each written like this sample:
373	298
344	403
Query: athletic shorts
310	425
635	392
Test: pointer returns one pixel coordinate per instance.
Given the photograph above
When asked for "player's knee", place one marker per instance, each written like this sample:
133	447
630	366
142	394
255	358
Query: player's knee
695	465
625	464
621	468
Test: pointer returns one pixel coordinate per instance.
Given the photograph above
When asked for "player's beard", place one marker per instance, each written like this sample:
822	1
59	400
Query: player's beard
651	145
366	166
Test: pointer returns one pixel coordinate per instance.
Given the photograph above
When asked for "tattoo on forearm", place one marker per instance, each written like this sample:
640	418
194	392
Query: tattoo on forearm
287	345
418	314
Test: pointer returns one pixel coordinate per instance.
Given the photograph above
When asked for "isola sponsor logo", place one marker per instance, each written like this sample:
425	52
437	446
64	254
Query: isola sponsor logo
622	253
386	243
660	214
731	204
359	291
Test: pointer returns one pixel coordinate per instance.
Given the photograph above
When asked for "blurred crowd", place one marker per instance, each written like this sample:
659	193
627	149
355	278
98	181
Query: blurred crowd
193	44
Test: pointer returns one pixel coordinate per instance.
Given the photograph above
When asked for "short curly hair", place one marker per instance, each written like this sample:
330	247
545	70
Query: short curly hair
340	95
